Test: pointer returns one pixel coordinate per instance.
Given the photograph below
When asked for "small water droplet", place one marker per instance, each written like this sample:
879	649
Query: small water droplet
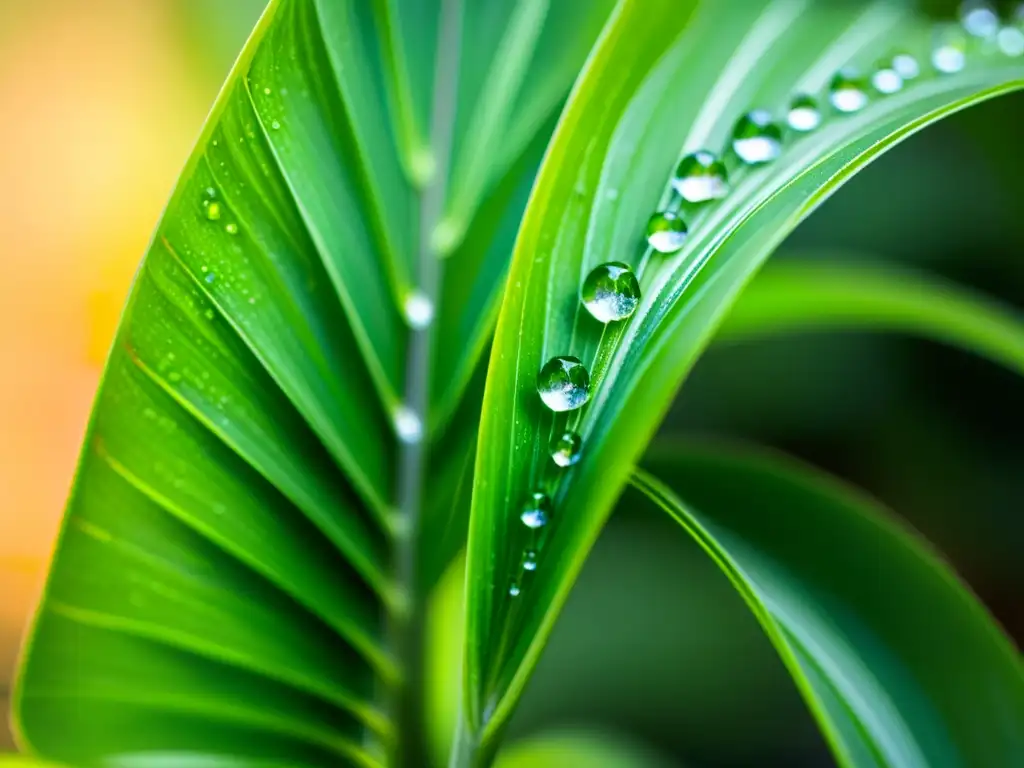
266	91
209	314
275	125
906	66
210	277
1011	41
231	228
408	425
756	139
666	232
611	292
804	114
419	310
949	54
530	560
566	450
513	590
701	177
979	18
536	511
252	299
564	384
847	92
213	211
885	79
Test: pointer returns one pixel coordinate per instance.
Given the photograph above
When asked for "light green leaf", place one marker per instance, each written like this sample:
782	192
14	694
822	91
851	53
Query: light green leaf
580	750
898	661
795	296
666	78
241	573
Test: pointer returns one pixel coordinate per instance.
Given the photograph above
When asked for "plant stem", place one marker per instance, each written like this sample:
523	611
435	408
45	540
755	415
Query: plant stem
410	743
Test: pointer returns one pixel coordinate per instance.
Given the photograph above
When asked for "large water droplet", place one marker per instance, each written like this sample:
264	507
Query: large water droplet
408	425
530	560
666	232
906	66
563	384
847	92
885	79
1011	41
979	18
611	292
701	177
566	450
756	139
536	511
213	210
804	114
949	53
419	310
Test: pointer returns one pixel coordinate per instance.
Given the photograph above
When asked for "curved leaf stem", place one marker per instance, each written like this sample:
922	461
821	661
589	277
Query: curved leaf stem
408	632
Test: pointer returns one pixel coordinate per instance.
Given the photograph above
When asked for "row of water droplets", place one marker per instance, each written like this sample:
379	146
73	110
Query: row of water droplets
611	291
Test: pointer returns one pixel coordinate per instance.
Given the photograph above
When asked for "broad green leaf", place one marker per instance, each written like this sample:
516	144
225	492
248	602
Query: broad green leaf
897	660
17	761
667	78
795	296
231	584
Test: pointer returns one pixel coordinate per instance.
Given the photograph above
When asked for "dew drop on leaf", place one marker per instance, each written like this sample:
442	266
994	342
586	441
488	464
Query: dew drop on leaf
906	66
231	228
1011	41
979	18
513	590
885	79
408	425
611	292
530	560
949	51
567	449
213	210
756	139
804	114
847	92
666	232
564	384
701	177
536	511
419	310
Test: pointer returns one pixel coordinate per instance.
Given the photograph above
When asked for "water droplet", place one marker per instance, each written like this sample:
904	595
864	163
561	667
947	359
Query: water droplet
513	591
566	450
847	92
666	232
1011	41
563	384
804	114
700	177
536	511
756	139
419	310
209	314
275	125
210	277
611	292
530	560
979	18
231	228
266	91
213	211
885	79
906	66
408	425
949	52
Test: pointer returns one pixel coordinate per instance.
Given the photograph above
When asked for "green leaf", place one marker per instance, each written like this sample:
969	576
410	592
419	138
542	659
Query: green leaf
796	296
580	750
16	761
899	663
232	580
667	78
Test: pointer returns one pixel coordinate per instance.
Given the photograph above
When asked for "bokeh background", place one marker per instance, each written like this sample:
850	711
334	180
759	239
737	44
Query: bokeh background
100	103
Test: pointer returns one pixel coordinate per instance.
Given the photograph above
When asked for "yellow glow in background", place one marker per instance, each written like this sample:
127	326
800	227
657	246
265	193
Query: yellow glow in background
100	103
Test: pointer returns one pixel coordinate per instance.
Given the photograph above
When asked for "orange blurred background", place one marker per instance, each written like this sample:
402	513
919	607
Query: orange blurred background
100	103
